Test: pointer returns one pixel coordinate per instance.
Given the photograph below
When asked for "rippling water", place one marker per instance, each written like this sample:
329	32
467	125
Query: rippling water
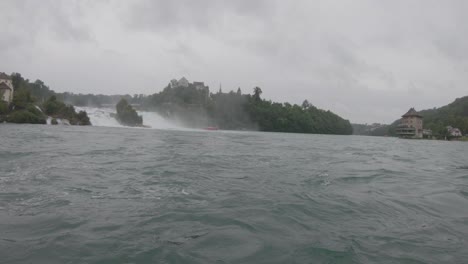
117	195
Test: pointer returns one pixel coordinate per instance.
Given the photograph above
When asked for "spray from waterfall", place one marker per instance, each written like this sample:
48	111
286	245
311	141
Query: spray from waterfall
102	117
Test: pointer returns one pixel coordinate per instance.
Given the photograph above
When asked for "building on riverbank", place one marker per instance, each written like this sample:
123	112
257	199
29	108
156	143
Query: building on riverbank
411	125
454	132
6	88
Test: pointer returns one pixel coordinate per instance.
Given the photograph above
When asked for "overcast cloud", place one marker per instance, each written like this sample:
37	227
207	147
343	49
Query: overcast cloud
368	61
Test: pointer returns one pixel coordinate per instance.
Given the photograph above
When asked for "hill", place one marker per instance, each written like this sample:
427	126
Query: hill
454	114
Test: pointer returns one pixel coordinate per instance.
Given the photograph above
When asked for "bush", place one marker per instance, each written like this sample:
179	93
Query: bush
54	121
35	110
58	109
4	109
83	119
53	107
24	116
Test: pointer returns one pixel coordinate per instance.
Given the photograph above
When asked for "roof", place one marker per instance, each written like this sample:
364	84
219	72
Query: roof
4	86
411	113
4	76
183	79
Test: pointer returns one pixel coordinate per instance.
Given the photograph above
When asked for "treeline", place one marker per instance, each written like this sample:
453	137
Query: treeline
33	102
41	92
99	100
375	129
235	110
195	106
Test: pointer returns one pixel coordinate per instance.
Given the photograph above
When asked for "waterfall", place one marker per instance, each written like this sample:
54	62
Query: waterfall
102	117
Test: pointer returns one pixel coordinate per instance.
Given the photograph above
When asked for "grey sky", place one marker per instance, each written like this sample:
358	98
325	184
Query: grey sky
368	61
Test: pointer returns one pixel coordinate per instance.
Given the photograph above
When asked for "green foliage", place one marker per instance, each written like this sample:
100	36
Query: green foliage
454	114
25	116
57	109
53	107
37	90
126	115
99	100
257	93
27	95
279	117
54	121
4	109
35	110
22	98
371	130
82	119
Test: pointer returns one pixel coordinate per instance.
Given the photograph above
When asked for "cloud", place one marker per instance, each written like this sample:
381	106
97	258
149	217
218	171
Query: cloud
368	61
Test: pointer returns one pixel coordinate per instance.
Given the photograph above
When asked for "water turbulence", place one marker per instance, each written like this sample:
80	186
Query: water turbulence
154	120
106	195
103	117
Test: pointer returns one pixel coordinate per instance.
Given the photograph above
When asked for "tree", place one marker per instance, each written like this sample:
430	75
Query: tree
305	104
52	106
3	107
257	92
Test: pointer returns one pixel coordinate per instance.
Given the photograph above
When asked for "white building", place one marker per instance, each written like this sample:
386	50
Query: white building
454	132
6	88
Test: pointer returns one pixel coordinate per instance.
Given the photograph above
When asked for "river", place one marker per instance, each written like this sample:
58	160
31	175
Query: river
132	195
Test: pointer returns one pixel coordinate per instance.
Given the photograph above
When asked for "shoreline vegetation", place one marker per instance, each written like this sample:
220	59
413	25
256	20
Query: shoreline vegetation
26	108
191	104
437	120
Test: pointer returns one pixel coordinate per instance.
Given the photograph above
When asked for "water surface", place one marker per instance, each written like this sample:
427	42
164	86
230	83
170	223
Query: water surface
119	195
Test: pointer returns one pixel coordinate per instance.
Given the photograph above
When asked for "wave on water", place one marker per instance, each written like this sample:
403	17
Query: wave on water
102	117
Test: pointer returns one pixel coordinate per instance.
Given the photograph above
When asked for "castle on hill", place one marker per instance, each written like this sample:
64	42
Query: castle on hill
183	82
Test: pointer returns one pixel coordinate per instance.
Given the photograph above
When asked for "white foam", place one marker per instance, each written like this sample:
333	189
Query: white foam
102	117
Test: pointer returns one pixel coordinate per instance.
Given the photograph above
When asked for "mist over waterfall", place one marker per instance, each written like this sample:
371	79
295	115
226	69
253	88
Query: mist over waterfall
102	117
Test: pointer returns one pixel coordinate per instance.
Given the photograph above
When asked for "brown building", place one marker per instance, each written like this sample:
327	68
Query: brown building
411	125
